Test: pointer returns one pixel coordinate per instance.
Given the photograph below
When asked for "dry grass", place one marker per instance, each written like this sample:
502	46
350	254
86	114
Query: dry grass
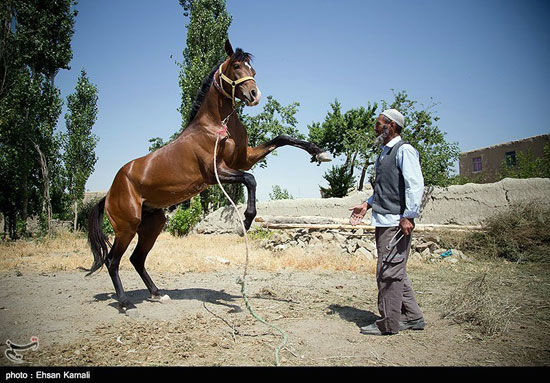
193	253
521	233
480	302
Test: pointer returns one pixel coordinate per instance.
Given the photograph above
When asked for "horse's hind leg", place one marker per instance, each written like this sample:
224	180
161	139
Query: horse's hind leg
113	261
152	223
123	208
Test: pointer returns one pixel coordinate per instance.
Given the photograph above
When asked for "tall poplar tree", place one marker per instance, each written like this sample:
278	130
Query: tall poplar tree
79	156
35	41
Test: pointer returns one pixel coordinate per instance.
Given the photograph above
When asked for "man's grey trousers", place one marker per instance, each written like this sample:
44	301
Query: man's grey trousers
396	299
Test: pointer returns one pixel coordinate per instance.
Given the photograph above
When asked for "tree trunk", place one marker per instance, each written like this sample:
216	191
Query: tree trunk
46	202
75	214
363	174
352	165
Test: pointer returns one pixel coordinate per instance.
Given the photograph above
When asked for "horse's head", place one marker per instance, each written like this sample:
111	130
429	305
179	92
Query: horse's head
237	76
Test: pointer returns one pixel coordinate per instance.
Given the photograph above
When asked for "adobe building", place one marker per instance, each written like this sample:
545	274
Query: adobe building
484	165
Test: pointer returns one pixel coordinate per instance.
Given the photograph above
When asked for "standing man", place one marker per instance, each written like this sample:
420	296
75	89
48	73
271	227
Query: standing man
398	190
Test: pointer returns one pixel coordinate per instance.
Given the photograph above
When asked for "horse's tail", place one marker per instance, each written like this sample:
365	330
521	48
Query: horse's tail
96	237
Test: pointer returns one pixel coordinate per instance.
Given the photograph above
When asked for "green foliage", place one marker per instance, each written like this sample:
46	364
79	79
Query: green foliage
340	180
461	180
183	220
156	143
279	193
107	227
260	233
80	142
274	120
519	234
421	131
35	45
213	198
84	211
206	35
527	166
351	134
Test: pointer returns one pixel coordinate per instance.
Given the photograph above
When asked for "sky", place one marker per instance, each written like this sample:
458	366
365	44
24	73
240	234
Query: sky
485	63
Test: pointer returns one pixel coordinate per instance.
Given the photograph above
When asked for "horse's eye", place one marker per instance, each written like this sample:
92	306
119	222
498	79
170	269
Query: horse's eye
236	66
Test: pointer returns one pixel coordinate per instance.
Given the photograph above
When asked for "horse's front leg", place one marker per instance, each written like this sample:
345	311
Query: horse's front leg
231	176
259	152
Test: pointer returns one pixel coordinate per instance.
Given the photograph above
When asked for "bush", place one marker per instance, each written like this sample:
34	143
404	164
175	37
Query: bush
279	193
260	233
84	214
340	180
107	227
184	220
521	233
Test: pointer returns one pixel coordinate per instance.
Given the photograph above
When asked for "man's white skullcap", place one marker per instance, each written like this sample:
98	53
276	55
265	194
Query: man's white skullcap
395	116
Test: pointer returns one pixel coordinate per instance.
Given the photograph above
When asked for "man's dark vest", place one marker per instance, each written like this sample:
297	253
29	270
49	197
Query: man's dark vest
389	185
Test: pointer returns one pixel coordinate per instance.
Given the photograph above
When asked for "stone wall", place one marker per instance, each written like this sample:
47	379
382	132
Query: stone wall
424	247
459	204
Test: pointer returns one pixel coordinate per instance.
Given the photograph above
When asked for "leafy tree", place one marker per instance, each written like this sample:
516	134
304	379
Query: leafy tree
348	134
527	166
274	119
206	35
36	39
183	220
279	193
351	134
421	131
340	180
80	143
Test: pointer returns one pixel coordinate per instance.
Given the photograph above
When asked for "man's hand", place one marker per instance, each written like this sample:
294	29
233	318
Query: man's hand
358	213
406	225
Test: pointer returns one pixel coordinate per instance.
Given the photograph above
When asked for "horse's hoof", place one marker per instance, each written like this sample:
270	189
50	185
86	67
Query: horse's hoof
165	298
240	231
323	157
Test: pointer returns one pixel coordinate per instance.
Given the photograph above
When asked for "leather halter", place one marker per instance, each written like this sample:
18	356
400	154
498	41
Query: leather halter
232	83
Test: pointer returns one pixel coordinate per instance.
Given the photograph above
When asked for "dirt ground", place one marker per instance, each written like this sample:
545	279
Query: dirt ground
206	323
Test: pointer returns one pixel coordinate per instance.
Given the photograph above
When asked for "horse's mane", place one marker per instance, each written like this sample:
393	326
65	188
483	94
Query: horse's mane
201	95
239	55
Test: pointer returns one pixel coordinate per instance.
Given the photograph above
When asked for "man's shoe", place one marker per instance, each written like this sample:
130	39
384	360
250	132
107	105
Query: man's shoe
372	329
416	324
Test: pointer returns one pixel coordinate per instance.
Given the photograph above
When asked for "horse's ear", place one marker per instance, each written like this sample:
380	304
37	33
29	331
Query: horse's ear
228	48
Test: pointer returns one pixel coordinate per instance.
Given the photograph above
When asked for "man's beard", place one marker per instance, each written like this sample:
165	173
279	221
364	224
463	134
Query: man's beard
382	137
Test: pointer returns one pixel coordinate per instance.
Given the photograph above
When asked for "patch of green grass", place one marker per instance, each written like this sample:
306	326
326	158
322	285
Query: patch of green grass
260	233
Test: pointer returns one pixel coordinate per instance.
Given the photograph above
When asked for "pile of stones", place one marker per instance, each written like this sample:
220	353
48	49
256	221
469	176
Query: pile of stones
427	248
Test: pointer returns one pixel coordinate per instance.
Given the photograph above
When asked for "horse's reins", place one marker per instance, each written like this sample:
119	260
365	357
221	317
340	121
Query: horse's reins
232	83
241	281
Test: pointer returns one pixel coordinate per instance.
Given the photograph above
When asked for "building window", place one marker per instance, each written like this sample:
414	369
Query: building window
476	162
510	159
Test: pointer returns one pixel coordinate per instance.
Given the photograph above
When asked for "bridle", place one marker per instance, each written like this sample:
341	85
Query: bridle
232	83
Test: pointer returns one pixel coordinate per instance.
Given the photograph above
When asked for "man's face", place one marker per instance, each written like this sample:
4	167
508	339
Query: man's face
382	130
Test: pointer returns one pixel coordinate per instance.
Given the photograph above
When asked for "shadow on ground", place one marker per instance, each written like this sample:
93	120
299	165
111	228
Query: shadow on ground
204	295
351	314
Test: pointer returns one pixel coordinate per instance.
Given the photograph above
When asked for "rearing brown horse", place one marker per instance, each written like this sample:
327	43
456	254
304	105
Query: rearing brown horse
182	169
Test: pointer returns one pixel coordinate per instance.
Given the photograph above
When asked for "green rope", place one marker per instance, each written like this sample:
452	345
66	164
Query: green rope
241	281
283	334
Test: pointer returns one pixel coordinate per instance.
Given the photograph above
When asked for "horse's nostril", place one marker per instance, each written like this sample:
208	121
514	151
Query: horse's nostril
253	93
